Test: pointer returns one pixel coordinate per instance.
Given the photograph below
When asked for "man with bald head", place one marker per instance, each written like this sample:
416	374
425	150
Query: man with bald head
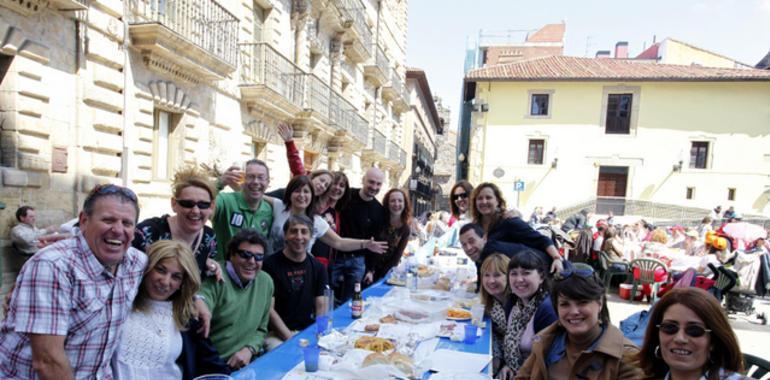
361	218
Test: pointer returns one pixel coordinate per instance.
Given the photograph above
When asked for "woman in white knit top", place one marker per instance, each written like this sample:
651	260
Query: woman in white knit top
151	338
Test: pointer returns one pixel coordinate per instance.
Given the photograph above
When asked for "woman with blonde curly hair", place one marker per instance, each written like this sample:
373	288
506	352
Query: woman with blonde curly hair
159	339
192	200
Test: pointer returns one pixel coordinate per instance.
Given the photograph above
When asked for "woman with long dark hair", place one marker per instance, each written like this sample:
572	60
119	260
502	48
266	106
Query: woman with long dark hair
459	198
582	344
327	207
398	216
689	337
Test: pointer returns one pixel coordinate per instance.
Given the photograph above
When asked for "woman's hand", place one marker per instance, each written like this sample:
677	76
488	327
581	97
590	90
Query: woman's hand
285	131
376	246
205	316
368	278
505	373
213	268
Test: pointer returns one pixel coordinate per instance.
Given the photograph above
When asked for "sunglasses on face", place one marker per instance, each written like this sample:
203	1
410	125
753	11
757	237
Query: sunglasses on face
459	196
247	255
581	272
186	203
693	331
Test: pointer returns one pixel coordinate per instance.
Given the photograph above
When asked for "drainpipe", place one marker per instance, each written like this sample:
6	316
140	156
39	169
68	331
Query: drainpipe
126	132
78	104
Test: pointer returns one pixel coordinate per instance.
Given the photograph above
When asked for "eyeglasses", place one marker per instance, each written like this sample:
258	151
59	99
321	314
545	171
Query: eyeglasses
459	196
246	255
186	203
693	331
112	189
580	272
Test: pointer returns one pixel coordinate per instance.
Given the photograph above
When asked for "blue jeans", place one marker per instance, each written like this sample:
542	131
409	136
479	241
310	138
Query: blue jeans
345	272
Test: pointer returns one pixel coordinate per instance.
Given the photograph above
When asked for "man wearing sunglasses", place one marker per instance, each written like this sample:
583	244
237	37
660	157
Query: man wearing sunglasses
299	280
72	297
240	305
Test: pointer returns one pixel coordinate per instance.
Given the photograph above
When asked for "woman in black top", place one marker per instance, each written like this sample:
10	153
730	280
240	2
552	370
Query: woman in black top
327	207
488	209
192	202
398	214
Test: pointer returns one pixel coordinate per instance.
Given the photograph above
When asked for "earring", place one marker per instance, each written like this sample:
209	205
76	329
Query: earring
657	352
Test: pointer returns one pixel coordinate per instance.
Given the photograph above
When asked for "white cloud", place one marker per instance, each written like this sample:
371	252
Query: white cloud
764	5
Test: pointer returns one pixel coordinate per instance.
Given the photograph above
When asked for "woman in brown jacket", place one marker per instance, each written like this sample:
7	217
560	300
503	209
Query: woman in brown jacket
581	344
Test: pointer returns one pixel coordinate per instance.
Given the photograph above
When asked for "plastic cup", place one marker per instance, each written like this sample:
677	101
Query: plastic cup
322	324
477	314
214	376
470	333
311	354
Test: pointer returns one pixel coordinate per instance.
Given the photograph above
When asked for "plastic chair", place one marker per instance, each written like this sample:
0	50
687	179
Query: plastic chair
611	268
756	368
646	276
725	280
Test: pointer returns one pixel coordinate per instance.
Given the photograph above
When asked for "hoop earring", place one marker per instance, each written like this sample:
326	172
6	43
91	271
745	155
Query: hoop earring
657	352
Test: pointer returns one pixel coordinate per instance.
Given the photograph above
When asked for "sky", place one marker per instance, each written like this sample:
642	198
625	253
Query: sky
439	30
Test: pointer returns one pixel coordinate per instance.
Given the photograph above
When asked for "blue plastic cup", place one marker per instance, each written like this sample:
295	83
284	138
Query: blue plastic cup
470	333
312	353
322	324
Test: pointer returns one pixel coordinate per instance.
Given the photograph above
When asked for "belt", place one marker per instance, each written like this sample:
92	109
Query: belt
346	255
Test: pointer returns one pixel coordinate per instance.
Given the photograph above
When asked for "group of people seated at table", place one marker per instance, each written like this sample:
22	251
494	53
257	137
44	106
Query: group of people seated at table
550	318
170	297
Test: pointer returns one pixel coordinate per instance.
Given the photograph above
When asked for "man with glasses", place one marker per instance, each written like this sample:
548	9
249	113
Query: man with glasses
300	281
72	297
240	305
245	208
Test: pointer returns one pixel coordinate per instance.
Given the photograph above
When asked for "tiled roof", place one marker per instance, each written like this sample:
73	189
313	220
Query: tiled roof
549	33
576	68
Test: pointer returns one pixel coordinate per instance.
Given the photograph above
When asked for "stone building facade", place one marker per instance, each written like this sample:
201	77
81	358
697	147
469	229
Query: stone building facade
126	92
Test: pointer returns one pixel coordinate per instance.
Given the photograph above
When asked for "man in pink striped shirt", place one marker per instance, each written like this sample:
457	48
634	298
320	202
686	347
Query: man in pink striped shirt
72	297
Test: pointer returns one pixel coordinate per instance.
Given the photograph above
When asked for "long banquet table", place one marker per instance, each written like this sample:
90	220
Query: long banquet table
275	364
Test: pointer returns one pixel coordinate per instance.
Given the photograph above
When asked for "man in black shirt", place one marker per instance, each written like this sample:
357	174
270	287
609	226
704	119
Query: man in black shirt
299	281
362	218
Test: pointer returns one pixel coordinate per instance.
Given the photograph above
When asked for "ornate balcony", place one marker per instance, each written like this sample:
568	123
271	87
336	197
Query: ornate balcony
348	69
393	151
193	41
317	100
395	92
358	37
270	80
377	69
377	145
348	125
402	158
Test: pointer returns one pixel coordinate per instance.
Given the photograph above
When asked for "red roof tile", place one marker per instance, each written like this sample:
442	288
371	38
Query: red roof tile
549	33
576	68
650	53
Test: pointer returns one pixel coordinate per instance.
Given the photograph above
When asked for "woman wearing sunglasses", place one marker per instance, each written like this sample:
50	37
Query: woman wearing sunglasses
689	337
488	209
192	204
159	339
458	203
582	344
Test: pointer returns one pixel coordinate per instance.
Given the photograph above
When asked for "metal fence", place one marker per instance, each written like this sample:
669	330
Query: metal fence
661	214
393	151
318	97
202	22
264	65
378	142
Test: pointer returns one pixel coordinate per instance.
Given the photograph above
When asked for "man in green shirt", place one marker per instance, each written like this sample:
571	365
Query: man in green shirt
240	305
245	208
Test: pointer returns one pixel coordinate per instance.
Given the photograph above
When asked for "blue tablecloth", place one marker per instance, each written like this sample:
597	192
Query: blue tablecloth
275	364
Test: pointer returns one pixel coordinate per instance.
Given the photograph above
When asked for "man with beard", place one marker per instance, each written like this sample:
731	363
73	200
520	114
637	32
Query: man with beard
300	281
362	218
245	208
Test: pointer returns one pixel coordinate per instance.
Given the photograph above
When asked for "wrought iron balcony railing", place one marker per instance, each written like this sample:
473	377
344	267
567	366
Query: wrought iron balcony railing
264	66
318	98
393	151
378	142
205	23
402	158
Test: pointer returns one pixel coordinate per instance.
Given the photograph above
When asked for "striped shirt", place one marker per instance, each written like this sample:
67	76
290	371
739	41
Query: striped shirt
64	290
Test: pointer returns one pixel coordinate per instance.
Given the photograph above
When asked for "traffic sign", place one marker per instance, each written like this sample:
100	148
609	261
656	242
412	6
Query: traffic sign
518	186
